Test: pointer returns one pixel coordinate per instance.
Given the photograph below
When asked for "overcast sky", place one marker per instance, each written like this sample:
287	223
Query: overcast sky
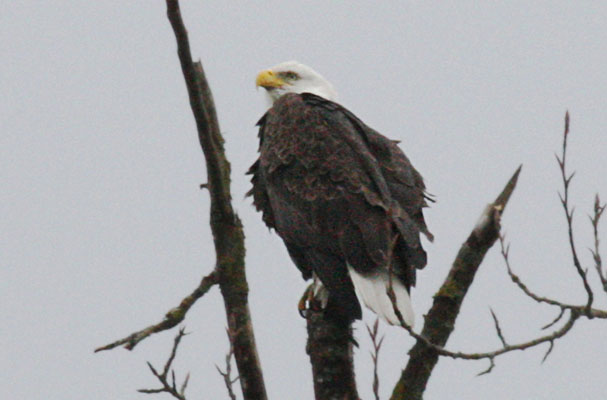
104	228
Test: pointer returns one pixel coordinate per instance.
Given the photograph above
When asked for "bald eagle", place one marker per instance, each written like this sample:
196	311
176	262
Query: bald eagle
344	199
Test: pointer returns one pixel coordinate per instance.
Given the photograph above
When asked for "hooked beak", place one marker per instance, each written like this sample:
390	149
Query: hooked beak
268	80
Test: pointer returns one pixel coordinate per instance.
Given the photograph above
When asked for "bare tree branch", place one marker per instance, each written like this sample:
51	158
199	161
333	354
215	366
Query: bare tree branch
440	320
566	178
169	387
515	278
581	309
491	355
438	326
586	309
596	255
227	375
226	227
171	318
575	314
225	224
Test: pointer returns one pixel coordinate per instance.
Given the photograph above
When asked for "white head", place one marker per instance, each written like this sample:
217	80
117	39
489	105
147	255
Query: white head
293	77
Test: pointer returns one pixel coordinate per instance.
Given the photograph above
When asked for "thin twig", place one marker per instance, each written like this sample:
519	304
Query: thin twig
554	321
227	375
373	333
171	318
596	255
564	197
169	387
550	347
574	315
489	368
498	329
505	250
582	309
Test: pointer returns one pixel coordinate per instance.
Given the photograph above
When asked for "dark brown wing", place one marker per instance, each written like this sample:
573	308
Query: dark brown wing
405	183
260	194
387	165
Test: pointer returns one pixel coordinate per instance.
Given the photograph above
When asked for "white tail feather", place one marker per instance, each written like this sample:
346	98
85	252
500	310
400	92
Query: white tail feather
372	289
319	291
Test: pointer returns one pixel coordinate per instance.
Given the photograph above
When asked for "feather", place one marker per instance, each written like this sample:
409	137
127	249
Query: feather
319	291
371	290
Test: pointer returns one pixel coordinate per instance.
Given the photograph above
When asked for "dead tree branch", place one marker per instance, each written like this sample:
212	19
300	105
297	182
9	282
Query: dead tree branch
491	355
596	255
226	227
227	374
575	312
564	197
169	387
440	320
171	318
586	309
580	309
225	224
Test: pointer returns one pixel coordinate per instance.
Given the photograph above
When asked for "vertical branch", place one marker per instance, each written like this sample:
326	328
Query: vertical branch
596	255
332	357
377	342
226	226
566	178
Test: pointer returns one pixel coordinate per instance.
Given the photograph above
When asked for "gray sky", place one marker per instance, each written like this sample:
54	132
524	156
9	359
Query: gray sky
104	228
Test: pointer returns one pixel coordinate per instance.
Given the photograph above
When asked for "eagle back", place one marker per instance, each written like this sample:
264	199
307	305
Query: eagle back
302	147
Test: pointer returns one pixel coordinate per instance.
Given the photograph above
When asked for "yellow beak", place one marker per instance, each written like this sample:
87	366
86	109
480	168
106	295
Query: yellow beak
267	79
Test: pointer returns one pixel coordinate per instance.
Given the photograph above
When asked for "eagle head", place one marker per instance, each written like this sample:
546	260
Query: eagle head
294	77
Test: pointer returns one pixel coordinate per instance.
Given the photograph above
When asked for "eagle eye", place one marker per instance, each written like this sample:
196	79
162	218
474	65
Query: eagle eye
290	75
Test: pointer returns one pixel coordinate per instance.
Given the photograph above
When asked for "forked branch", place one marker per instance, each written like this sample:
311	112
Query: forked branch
169	385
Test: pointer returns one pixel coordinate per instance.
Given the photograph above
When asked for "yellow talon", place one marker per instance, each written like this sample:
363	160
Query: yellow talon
305	301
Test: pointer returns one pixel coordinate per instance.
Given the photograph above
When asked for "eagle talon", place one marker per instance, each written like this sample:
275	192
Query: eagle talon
305	303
